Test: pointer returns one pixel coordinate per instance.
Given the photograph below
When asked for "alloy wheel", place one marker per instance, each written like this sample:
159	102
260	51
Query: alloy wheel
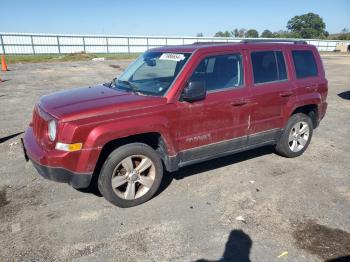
133	177
299	136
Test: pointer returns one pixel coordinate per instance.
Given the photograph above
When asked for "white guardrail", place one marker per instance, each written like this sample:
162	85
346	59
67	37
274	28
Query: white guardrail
22	43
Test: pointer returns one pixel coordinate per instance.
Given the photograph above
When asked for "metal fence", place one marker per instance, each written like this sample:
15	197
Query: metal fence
21	43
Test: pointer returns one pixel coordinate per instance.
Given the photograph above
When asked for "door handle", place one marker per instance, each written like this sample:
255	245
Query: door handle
240	102
286	94
311	88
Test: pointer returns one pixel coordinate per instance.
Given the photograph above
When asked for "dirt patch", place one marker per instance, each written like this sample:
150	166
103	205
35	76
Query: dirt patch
82	251
53	216
115	66
21	198
325	242
3	198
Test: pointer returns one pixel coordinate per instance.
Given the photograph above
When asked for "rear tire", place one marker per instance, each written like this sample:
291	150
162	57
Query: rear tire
131	175
296	136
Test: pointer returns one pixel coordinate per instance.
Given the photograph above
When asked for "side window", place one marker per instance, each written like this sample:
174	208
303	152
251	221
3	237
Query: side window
268	66
219	72
281	65
210	65
264	67
304	63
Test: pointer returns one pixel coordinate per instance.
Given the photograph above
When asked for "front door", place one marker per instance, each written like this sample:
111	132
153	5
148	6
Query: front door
219	123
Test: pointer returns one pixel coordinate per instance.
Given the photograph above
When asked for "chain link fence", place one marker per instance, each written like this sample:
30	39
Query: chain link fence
21	43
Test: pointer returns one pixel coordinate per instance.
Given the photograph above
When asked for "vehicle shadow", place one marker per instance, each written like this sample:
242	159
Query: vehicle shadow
197	169
339	259
345	95
237	248
4	139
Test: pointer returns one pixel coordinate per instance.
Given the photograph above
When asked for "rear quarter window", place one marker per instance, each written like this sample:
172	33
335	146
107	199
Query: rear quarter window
304	63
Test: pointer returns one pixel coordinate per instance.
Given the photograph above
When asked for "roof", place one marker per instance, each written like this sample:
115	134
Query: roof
223	45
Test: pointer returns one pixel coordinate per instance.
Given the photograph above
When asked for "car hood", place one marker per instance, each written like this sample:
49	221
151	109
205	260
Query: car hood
92	101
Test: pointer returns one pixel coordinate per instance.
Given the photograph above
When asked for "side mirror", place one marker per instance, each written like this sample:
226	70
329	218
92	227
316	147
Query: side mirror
194	91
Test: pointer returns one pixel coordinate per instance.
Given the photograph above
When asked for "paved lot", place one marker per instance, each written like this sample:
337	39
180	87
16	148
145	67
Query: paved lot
300	206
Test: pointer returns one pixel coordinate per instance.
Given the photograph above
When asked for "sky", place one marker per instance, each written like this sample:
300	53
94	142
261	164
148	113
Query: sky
163	18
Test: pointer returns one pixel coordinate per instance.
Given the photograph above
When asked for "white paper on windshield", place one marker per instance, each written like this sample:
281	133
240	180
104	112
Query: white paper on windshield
172	57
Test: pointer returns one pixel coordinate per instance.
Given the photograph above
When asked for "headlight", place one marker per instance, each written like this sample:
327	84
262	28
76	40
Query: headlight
52	130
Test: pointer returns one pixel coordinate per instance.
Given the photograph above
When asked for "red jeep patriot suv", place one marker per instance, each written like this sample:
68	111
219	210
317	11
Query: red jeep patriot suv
176	106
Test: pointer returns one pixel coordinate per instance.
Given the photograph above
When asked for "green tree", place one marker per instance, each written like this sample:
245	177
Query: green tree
223	34
219	34
241	32
235	32
344	34
252	33
267	34
199	35
309	25
344	31
285	34
238	32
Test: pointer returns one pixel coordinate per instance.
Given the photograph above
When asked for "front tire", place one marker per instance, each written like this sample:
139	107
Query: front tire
296	136
131	175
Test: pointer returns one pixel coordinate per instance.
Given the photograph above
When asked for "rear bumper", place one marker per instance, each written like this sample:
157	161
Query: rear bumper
322	108
50	164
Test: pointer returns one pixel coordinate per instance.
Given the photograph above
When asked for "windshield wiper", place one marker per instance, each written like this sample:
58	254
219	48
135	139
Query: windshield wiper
113	84
134	88
110	84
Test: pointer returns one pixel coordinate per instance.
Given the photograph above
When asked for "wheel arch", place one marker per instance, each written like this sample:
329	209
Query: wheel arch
153	139
310	110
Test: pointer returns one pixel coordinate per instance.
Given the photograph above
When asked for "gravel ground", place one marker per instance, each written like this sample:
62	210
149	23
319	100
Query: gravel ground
300	206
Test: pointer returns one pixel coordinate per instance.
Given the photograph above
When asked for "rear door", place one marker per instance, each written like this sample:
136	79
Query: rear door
206	128
270	91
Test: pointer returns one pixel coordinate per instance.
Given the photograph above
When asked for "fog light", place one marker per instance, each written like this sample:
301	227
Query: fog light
69	147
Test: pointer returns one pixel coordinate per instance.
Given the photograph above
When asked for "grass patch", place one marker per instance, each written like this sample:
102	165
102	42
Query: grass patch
12	59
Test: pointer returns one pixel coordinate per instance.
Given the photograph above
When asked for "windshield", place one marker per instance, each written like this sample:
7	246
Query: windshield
152	73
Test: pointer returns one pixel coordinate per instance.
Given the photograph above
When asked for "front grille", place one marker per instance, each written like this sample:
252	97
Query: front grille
39	126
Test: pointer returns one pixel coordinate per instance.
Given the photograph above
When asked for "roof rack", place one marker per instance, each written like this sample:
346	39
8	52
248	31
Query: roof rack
252	41
294	41
215	43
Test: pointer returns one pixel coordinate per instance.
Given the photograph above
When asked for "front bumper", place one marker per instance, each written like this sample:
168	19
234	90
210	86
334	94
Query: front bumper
62	175
44	161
